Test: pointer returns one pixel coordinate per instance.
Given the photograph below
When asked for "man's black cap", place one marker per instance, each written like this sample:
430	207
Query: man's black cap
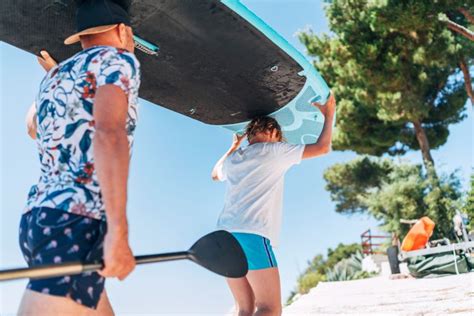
97	16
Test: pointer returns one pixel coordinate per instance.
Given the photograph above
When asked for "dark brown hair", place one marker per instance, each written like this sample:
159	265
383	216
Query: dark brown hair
263	124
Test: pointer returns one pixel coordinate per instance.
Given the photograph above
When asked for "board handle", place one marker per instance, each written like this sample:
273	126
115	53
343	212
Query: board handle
145	46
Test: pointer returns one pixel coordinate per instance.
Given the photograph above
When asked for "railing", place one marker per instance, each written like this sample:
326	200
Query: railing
368	245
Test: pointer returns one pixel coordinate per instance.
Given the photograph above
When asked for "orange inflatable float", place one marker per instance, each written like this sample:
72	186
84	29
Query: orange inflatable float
418	235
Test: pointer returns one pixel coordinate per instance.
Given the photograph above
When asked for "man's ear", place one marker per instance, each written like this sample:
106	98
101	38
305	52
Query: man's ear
122	29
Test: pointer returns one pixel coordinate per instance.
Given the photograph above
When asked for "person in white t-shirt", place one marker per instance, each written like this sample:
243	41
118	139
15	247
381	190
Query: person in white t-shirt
253	204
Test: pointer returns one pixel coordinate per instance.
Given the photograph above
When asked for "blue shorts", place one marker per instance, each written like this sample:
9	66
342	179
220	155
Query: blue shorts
50	236
258	250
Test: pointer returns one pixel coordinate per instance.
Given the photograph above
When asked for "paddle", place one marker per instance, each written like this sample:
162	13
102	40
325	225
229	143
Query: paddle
218	252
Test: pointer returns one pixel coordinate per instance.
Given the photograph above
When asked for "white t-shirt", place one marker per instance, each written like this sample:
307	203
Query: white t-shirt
254	197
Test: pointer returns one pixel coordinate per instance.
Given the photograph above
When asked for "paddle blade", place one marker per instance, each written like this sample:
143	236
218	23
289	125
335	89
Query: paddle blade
220	253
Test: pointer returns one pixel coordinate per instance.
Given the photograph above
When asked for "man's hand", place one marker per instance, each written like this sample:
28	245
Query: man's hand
237	140
118	258
31	121
329	108
46	61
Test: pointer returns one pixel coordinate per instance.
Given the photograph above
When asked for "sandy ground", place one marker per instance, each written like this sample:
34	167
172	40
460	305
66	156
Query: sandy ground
451	295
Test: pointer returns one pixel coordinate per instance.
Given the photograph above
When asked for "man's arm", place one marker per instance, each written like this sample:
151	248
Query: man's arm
31	121
111	154
47	62
218	166
323	145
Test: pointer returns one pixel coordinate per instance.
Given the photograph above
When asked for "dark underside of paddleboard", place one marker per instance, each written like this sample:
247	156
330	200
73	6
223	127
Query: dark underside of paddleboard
212	66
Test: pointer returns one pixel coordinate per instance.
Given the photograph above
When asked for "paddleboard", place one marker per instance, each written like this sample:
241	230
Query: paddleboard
213	61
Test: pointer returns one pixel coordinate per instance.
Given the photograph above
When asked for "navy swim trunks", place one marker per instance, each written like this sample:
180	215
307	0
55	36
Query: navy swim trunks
50	236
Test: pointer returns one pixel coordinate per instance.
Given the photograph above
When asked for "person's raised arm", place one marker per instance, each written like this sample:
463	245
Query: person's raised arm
47	62
31	127
323	145
217	170
111	154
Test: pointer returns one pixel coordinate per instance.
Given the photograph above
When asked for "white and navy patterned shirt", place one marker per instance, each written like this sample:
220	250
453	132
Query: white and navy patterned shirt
65	121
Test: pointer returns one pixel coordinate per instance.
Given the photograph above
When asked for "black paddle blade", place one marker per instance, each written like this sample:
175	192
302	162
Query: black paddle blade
220	253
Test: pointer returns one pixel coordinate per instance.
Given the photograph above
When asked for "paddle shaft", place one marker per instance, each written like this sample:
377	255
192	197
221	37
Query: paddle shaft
62	269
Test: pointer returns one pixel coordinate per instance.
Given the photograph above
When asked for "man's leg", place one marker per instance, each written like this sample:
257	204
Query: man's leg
265	285
243	295
104	307
35	303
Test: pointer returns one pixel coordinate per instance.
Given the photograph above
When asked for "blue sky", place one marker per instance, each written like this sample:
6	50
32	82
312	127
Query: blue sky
172	200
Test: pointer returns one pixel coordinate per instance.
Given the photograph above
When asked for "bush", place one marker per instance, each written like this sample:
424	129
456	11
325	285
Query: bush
348	269
317	268
309	280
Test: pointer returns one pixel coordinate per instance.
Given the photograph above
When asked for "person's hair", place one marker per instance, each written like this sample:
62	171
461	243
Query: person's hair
263	124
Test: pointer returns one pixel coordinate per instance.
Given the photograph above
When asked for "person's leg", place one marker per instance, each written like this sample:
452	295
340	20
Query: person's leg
243	296
265	284
34	303
263	278
104	308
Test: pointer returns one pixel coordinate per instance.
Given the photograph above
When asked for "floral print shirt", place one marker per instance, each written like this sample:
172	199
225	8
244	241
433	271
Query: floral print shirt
65	127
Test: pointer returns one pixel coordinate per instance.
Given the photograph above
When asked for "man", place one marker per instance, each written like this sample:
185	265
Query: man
86	113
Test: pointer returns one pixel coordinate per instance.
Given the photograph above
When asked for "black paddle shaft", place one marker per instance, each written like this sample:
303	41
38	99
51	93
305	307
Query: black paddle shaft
71	268
218	252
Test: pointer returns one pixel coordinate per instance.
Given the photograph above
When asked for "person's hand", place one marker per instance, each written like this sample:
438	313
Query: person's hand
328	108
31	117
118	257
46	61
237	140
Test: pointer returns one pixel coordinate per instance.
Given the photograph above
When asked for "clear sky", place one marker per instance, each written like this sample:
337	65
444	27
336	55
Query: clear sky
172	200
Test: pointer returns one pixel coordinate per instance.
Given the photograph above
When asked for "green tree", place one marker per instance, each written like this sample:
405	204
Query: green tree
341	252
395	69
390	192
349	184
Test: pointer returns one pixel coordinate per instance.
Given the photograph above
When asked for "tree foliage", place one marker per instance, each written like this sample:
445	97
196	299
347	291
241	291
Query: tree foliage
307	281
341	252
390	192
392	66
318	267
349	184
469	204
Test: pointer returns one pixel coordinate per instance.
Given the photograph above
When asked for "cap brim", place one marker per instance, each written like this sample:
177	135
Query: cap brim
93	30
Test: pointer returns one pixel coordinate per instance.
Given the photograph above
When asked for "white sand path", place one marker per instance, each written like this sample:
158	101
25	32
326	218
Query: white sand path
451	295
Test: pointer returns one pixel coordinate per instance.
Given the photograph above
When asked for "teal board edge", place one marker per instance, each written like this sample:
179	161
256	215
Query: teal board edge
301	122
